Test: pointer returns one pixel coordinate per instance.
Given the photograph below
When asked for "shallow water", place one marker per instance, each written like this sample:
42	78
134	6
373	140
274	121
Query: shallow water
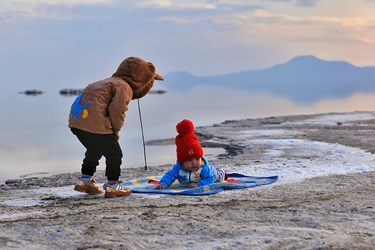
35	137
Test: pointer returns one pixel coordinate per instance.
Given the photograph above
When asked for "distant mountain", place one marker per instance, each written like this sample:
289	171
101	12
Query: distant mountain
304	79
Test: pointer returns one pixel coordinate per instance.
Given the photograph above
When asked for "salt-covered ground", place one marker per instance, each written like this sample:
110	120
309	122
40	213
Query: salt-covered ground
323	199
307	158
284	149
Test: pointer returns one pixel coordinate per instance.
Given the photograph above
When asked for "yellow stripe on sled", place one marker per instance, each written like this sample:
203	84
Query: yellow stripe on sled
136	183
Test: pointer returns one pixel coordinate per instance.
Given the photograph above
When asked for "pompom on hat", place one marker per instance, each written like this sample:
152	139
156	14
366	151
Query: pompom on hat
187	142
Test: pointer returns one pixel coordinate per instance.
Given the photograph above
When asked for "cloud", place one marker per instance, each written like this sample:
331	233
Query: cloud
306	2
302	3
30	3
42	9
168	4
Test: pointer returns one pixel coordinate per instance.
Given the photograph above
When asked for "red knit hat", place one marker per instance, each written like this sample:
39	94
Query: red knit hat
187	143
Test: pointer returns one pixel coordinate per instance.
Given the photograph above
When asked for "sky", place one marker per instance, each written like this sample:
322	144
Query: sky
71	41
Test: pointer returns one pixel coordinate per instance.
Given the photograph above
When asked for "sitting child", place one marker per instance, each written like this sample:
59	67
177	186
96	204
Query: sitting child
191	168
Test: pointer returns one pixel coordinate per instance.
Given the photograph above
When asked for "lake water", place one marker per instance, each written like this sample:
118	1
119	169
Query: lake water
35	137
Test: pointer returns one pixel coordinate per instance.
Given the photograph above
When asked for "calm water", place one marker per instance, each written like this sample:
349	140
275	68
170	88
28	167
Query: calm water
35	137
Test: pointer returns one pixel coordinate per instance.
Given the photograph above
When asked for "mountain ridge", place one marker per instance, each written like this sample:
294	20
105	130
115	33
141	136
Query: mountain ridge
303	79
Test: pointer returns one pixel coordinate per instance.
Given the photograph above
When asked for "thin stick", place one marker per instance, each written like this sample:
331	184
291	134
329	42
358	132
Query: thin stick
143	137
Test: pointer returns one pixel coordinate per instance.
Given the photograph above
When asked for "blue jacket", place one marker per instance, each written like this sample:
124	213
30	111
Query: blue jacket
202	177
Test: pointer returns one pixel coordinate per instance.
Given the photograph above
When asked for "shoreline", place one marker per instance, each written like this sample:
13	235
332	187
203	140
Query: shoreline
325	212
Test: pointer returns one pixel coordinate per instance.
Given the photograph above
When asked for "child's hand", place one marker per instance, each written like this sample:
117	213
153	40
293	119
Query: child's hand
161	187
193	185
117	134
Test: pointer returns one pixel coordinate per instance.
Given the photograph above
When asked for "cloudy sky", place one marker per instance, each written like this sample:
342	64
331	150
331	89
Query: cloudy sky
85	40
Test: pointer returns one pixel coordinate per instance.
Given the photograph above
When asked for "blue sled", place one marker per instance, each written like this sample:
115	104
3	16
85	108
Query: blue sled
235	181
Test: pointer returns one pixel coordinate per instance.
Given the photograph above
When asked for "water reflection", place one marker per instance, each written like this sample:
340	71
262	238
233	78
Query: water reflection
35	136
70	92
32	92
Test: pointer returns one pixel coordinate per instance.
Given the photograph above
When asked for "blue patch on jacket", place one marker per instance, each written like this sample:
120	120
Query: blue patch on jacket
77	107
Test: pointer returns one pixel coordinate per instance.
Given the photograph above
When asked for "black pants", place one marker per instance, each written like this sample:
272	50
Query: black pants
98	145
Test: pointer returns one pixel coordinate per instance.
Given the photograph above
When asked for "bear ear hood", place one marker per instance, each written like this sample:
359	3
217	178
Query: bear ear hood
139	74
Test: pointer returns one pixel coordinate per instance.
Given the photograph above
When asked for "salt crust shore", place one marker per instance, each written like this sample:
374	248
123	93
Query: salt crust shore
327	212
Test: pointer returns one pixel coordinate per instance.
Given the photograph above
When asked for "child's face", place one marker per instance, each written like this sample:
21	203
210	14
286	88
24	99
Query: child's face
193	164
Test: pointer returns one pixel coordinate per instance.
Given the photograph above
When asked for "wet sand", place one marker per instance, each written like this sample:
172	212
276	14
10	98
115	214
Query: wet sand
328	212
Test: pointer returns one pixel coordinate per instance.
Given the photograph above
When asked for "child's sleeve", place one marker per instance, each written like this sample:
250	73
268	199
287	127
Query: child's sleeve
119	105
206	176
170	176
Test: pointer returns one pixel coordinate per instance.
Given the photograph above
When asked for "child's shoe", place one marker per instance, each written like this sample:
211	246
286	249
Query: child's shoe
87	185
116	190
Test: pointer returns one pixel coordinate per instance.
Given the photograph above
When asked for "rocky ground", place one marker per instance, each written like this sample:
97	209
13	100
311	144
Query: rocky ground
329	212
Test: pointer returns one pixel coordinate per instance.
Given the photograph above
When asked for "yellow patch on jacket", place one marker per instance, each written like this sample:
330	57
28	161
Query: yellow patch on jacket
85	114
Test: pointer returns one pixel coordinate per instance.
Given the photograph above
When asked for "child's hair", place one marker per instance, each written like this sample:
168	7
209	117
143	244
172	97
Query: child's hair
187	142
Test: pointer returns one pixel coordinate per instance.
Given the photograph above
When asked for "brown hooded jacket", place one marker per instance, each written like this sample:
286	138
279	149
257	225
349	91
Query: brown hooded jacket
101	107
